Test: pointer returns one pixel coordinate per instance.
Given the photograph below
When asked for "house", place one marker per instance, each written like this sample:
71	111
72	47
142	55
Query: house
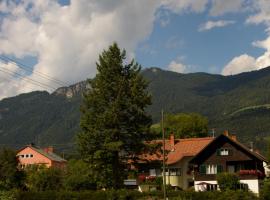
178	154
32	155
226	154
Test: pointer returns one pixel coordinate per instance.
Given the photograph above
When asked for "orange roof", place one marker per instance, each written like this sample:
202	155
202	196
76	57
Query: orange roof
181	149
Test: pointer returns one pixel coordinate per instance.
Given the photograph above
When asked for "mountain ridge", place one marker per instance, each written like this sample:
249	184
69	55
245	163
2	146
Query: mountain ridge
53	118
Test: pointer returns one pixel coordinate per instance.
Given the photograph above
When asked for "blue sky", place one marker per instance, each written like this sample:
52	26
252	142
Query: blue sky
62	39
206	51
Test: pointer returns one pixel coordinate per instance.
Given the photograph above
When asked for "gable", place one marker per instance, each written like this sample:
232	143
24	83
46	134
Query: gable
238	152
30	156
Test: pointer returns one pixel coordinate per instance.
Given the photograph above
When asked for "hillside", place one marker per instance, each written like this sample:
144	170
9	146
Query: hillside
239	103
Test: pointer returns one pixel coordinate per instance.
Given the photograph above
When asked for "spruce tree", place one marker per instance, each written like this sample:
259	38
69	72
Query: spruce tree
114	122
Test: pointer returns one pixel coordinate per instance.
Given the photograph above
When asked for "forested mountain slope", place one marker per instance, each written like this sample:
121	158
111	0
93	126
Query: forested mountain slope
239	103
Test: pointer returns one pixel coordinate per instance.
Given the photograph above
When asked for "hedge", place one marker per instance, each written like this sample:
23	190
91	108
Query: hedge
133	195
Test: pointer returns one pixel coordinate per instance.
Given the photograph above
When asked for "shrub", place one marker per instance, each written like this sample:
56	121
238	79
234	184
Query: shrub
227	181
42	178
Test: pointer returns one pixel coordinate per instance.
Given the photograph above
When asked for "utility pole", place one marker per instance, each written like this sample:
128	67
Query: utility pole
163	141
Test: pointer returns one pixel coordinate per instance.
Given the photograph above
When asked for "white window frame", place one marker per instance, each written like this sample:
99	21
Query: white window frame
211	169
224	152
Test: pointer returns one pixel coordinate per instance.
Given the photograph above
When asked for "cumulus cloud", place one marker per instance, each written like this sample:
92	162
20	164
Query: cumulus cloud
178	66
240	64
67	39
214	24
246	62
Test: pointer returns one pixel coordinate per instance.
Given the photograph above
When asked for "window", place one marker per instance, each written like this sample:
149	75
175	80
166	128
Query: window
175	171
224	152
152	172
31	155
211	169
22	156
26	155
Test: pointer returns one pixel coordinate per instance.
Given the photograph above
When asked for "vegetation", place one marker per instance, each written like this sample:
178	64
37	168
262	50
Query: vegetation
237	103
184	125
10	176
78	176
227	181
114	123
41	178
134	195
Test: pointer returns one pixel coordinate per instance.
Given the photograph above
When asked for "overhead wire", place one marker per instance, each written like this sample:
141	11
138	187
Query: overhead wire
20	76
28	69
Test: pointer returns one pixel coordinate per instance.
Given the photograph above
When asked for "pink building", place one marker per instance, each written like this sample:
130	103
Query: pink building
32	155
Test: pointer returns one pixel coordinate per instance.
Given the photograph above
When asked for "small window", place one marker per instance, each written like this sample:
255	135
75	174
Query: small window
22	156
175	171
224	152
26	155
31	155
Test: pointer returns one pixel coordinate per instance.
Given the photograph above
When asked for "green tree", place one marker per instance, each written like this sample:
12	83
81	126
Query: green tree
113	122
41	178
10	176
78	176
184	125
227	181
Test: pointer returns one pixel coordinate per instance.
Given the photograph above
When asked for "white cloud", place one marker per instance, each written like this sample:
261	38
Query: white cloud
178	65
262	14
178	6
240	64
221	7
214	24
244	62
68	39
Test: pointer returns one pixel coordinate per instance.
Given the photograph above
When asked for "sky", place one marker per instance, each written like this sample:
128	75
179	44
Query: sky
46	44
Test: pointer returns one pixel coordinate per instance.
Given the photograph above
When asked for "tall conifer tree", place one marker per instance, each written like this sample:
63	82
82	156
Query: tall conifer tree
114	122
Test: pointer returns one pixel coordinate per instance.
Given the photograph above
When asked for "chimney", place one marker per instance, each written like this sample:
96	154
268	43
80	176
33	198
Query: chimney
172	142
226	132
233	137
48	149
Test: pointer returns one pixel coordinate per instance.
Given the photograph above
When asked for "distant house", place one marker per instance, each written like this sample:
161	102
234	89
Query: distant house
32	155
226	154
196	161
178	154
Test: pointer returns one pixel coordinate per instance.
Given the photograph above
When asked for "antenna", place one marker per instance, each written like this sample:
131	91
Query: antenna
251	146
213	132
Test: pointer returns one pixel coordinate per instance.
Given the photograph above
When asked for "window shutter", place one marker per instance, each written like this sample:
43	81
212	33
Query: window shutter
218	152
230	152
202	169
219	168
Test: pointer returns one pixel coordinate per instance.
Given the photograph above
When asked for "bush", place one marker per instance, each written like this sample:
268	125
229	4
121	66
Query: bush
265	194
227	181
6	195
78	176
134	195
42	178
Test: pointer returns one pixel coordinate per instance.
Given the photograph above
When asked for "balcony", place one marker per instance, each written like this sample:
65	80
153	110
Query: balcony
250	174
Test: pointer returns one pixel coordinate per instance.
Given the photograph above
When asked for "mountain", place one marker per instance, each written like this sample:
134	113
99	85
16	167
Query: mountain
239	103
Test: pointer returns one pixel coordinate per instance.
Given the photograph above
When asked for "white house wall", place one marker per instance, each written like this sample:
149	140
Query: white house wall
253	185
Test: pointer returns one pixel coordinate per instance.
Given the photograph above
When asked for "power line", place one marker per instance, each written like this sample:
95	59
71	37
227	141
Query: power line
10	79
27	68
20	76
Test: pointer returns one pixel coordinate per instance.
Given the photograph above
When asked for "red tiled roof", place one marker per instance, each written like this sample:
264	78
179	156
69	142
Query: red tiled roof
181	148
